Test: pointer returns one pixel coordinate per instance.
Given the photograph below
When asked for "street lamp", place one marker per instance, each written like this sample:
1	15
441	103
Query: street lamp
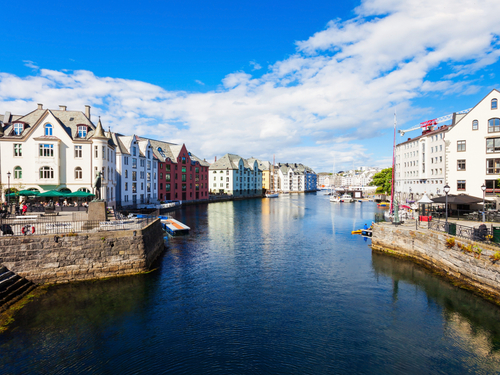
8	189
446	189
483	188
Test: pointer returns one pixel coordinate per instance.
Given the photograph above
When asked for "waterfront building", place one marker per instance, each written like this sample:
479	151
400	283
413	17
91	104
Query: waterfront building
56	150
182	175
473	149
293	177
266	168
137	171
420	165
234	175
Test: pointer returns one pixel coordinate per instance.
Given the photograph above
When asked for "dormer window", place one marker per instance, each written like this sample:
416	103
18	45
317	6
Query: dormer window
48	129
134	152
18	128
494	104
82	131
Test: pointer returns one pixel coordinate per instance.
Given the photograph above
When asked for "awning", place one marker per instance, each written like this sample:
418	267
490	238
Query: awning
459	199
425	200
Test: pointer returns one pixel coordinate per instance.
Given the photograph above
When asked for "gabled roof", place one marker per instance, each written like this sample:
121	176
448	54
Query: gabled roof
473	108
69	120
228	161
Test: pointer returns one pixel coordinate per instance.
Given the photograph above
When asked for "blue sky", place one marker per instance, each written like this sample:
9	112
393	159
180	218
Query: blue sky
313	82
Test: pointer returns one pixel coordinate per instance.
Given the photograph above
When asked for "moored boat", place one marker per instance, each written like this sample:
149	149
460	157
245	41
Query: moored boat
272	194
346	198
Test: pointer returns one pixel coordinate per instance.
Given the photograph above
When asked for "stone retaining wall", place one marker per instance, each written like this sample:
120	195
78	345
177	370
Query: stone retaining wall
429	248
57	259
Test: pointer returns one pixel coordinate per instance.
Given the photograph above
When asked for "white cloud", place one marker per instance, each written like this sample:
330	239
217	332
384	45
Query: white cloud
255	66
30	64
340	87
199	82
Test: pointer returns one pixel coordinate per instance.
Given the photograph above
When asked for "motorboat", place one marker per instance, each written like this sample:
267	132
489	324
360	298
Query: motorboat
383	204
335	199
272	194
346	198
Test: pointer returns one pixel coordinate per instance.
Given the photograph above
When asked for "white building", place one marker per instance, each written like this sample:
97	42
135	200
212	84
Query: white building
292	177
473	149
56	150
137	169
420	164
233	175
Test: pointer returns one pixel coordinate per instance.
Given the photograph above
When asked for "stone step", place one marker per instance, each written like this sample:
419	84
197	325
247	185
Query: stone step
5	284
6	274
16	292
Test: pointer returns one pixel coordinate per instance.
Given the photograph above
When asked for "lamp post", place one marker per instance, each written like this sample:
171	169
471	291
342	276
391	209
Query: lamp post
483	188
8	194
446	189
409	189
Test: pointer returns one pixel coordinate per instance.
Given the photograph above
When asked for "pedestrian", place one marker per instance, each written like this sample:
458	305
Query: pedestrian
24	209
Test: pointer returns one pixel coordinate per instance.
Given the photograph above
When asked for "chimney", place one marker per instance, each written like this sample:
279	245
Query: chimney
62	107
40	106
215	158
87	111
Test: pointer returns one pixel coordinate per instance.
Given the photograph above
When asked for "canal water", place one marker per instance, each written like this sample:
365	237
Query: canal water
271	286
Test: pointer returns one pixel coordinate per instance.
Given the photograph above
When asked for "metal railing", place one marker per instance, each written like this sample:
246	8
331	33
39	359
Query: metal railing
43	227
480	234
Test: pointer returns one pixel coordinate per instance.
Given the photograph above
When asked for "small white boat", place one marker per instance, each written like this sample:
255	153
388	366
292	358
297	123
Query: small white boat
272	195
346	198
335	199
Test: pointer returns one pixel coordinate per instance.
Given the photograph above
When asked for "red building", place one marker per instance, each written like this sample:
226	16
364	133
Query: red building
181	175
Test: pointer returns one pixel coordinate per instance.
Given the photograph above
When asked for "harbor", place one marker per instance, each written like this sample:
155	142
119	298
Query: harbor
251	279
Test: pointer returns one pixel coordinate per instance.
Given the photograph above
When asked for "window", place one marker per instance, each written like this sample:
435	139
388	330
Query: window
493	125
125	160
492	166
126	173
78	151
48	129
183	178
78	173
167	177
492	145
183	169
494	104
82	131
141	175
134	151
18	150
46	173
143	162
475	125
167	167
460	146
167	187
126	186
148	176
18	173
149	164
134	163
18	128
134	187
461	165
461	185
183	160
104	152
197	170
134	176
46	150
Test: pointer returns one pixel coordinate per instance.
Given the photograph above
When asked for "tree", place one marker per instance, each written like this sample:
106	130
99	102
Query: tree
383	180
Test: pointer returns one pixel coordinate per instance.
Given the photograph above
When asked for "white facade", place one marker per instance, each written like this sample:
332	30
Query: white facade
233	175
420	165
294	178
473	149
53	150
137	169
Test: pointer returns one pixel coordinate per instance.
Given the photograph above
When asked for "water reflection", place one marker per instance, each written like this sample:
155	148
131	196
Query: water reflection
471	322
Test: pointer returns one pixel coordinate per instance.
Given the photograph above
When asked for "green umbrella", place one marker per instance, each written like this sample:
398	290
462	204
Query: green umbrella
52	193
28	193
81	194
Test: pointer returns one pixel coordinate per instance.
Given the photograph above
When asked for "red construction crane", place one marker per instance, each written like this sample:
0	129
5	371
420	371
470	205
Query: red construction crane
429	123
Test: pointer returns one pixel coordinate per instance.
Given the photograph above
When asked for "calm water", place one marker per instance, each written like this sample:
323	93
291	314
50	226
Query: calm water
275	286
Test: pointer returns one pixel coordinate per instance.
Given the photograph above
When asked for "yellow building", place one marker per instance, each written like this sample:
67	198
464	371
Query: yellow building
265	167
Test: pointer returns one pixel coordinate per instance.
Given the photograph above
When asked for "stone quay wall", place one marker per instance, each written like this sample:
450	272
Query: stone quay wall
427	247
57	259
